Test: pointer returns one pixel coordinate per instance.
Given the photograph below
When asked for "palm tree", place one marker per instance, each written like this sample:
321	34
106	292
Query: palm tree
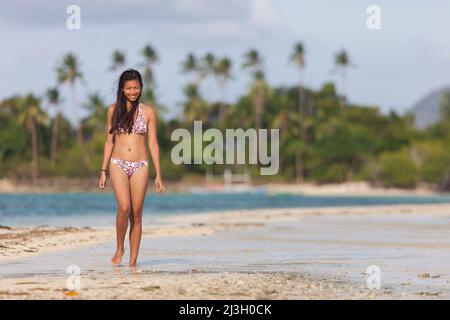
207	67
195	108
53	98
209	63
69	72
254	62
342	62
150	58
97	113
148	92
222	70
253	59
259	92
298	57
118	60
11	105
31	115
285	119
191	65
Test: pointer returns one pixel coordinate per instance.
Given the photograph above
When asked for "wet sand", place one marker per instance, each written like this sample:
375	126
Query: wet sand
319	253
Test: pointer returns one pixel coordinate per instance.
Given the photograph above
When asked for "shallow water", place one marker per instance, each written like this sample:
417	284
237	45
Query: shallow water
99	209
324	247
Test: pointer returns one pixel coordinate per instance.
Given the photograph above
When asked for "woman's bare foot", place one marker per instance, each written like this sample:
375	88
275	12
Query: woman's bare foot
118	256
132	263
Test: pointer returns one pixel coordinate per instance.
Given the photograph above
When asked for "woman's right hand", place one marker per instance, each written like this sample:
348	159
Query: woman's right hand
102	180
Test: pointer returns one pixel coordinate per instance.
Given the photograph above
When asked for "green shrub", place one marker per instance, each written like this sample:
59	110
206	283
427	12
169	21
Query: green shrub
397	169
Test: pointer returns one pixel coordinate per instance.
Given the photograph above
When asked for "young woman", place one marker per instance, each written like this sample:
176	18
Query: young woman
130	123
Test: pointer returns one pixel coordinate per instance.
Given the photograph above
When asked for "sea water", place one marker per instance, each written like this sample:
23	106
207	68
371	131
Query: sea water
99	209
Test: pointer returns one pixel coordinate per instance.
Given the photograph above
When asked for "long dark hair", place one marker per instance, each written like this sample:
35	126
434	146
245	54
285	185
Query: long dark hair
121	117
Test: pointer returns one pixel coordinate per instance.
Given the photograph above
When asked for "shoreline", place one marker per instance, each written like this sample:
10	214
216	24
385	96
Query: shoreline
89	185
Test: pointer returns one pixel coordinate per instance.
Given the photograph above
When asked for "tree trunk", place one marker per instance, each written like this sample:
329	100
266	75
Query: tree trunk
309	104
54	139
283	130
299	166
302	135
34	150
79	133
222	112
301	112
344	89
258	101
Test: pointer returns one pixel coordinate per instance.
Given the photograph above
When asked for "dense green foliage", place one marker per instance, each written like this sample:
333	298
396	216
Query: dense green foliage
324	139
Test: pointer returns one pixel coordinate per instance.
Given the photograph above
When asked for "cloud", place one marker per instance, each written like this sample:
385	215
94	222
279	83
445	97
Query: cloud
188	21
32	12
265	15
213	10
214	33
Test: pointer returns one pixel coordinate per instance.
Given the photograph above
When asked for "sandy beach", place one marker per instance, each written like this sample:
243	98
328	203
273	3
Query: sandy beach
295	253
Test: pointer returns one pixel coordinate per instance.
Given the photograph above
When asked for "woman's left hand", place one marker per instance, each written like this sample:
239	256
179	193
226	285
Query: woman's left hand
159	186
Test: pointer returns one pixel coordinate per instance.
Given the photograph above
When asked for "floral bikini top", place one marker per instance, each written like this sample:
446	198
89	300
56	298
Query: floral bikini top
139	125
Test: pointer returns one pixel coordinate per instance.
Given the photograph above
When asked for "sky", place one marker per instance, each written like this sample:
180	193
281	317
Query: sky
393	67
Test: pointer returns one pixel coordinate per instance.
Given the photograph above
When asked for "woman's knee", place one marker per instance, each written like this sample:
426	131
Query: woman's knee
124	209
137	214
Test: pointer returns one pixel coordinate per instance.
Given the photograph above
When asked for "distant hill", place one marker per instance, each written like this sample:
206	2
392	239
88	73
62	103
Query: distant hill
426	110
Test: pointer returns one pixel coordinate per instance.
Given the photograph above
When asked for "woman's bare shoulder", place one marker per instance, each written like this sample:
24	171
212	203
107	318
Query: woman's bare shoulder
148	109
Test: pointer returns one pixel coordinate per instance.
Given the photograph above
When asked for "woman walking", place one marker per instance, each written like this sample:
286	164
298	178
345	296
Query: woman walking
129	124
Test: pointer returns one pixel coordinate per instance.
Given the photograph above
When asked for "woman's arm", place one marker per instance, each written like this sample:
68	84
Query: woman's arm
152	141
154	149
109	143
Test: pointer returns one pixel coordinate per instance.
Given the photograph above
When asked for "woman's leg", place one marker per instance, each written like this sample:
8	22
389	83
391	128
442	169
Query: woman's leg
121	187
138	188
131	219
